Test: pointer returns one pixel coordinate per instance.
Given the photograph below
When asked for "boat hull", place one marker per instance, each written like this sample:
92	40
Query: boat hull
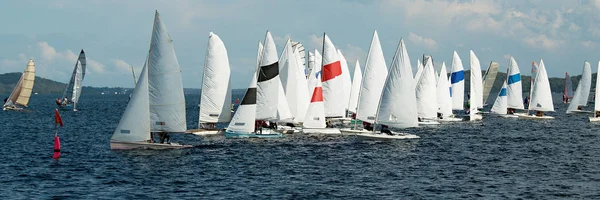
594	119
288	129
504	115
534	117
116	145
329	131
428	122
382	136
13	108
205	132
350	131
579	112
449	119
264	134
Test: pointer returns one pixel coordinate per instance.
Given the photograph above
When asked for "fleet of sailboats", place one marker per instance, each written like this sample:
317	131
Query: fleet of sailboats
305	96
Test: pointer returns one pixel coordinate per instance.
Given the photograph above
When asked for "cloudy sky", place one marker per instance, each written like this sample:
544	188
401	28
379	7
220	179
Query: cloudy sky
116	34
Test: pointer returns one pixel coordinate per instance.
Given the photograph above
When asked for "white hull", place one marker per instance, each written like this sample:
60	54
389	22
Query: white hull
534	117
594	119
350	131
116	145
579	112
475	117
504	115
13	108
449	119
205	132
288	129
428	122
382	136
332	131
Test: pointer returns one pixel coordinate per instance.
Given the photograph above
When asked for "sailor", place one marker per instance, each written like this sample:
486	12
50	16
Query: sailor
511	111
384	129
65	101
579	108
367	126
163	136
57	101
597	113
539	113
440	116
5	99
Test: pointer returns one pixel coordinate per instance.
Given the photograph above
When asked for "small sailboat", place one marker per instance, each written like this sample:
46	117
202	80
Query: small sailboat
541	95
426	93
596	116
476	88
372	82
457	79
314	122
157	103
398	105
346	84
582	93
568	89
488	80
514	89
332	81
500	104
19	97
444	100
215	99
70	96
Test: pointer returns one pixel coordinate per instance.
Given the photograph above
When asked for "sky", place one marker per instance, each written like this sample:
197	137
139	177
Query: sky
115	34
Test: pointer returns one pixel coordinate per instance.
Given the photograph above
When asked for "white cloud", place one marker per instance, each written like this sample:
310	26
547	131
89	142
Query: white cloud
316	42
588	44
428	43
122	65
352	53
574	27
49	55
542	41
506	56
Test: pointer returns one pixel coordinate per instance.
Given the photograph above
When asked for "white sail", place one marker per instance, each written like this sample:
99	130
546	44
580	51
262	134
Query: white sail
476	86
294	83
22	91
372	82
398	105
315	115
541	98
346	81
419	70
283	108
356	84
514	91
499	106
331	79
244	117
215	99
426	92
315	73
582	93
134	125
311	64
444	100
167	103
73	90
267	91
457	79
597	93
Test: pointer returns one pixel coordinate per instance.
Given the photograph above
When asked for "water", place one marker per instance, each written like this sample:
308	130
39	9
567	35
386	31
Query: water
496	158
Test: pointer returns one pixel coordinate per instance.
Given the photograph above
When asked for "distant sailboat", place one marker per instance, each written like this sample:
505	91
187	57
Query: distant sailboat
157	103
541	95
514	89
346	82
426	94
457	79
331	78
314	122
582	93
596	116
444	100
19	97
70	96
500	104
215	99
294	83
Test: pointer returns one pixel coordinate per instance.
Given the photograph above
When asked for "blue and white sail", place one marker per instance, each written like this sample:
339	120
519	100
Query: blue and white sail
167	103
457	79
514	90
500	104
444	100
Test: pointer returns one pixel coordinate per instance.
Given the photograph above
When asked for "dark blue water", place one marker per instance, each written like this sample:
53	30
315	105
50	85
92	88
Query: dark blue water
496	158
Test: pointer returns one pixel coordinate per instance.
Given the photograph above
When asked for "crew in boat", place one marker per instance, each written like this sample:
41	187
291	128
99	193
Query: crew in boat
565	99
65	101
539	114
579	108
273	125
386	130
440	116
164	136
368	126
526	102
510	111
57	101
597	114
5	99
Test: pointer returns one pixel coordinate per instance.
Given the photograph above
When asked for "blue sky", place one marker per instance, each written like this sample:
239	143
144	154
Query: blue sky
116	33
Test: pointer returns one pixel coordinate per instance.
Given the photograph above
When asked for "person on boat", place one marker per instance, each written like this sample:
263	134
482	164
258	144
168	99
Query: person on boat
273	125
579	108
539	114
164	136
328	124
368	126
565	98
353	116
57	101
510	111
526	102
65	101
597	114
386	130
440	116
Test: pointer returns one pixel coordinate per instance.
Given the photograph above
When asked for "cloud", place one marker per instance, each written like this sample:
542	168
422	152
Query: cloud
316	42
122	65
588	44
428	43
49	54
542	41
352	53
506	56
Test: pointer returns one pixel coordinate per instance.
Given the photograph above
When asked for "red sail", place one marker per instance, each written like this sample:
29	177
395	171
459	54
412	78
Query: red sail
56	147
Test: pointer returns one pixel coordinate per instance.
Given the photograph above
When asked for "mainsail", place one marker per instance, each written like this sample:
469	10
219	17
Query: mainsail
356	83
73	89
216	93
457	79
167	103
134	125
444	100
568	87
541	96
22	91
582	93
488	80
514	90
372	82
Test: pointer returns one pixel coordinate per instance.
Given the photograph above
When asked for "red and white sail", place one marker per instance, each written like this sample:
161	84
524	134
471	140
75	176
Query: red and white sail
332	81
315	115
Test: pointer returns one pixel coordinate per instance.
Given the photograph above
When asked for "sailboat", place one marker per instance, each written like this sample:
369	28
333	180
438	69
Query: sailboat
541	95
19	97
596	116
157	103
294	83
500	105
314	122
426	94
444	100
457	79
476	88
568	88
397	107
514	89
488	80
215	99
582	93
70	96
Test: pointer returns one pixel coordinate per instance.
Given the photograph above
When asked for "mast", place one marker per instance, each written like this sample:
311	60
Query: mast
133	73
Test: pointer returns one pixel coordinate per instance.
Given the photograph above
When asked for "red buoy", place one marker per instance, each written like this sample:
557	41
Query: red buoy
56	148
57	121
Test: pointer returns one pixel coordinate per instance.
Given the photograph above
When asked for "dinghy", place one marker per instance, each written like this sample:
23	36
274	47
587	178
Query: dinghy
19	97
444	100
157	103
568	88
426	94
596	116
541	95
500	105
215	99
70	96
332	81
582	93
314	122
476	88
514	90
397	107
